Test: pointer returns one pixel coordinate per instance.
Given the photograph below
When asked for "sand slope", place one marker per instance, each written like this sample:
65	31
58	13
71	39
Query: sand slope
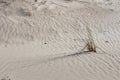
38	40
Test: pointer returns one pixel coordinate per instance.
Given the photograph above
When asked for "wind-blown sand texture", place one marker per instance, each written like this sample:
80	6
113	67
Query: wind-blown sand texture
59	39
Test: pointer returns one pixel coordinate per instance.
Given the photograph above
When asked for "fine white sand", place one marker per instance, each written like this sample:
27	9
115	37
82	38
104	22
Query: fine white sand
47	39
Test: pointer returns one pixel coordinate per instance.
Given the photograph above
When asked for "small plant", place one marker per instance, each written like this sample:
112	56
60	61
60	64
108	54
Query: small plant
90	43
91	47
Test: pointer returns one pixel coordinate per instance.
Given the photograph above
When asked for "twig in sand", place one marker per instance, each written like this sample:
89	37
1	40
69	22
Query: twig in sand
91	47
90	44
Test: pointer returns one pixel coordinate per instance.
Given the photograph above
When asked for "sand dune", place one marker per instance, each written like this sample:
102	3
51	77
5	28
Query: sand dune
59	40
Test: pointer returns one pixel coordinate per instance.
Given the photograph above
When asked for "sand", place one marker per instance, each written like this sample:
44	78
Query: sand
49	40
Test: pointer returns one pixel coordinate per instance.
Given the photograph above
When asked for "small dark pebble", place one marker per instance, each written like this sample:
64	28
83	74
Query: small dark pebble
106	41
45	43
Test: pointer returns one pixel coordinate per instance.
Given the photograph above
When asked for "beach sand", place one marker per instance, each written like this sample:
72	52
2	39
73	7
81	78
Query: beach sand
59	40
